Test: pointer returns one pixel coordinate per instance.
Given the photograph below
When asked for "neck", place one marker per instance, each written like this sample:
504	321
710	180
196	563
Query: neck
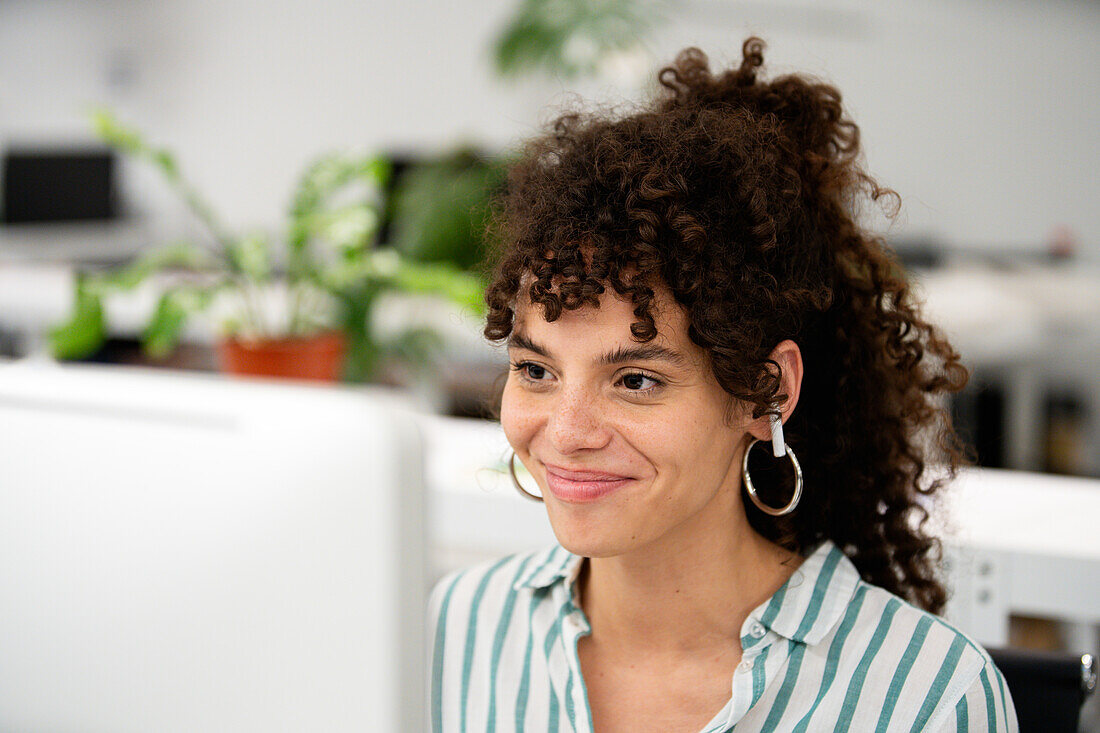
688	591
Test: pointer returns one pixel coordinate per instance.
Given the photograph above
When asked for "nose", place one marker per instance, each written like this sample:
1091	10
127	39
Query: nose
576	422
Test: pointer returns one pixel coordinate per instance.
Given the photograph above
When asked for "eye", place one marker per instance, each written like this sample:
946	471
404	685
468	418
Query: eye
638	382
530	371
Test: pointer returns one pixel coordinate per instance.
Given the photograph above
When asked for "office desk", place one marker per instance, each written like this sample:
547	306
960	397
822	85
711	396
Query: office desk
1027	544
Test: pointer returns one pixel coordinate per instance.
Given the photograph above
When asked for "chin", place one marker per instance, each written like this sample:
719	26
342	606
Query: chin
588	536
589	547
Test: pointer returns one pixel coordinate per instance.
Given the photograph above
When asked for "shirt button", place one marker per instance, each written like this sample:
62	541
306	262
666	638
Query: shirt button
745	665
757	630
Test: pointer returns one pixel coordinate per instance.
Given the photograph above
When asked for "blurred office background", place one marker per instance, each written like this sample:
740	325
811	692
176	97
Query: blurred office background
982	116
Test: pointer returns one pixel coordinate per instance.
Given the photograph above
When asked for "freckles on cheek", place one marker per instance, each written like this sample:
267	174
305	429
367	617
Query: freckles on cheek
516	421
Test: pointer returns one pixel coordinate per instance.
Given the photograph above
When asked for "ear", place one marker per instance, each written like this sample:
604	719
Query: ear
789	358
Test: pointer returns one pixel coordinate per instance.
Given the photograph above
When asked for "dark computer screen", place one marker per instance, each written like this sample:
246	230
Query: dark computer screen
56	185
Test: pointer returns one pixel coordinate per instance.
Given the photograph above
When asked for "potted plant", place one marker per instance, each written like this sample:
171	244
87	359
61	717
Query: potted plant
324	270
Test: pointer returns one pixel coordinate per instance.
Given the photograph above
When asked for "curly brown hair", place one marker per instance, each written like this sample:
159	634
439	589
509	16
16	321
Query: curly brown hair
740	195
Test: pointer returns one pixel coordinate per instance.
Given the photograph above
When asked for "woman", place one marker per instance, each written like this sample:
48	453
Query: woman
676	285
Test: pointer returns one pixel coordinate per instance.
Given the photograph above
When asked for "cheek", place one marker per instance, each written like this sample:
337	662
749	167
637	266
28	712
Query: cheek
517	417
696	441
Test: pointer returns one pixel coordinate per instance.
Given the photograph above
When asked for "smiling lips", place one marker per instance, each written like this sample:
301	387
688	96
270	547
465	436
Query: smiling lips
582	486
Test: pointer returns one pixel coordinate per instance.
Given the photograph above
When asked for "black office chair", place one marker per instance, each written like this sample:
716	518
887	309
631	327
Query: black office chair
1048	688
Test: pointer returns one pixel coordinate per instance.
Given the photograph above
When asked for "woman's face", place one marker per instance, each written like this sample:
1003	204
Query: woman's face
629	442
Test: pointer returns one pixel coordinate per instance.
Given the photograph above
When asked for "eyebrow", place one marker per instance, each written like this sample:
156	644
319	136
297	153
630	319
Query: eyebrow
621	354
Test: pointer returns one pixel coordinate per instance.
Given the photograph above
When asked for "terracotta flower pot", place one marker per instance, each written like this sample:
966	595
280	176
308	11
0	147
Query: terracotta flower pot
319	357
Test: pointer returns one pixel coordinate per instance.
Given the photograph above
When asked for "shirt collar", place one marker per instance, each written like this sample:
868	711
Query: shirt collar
804	609
813	599
550	566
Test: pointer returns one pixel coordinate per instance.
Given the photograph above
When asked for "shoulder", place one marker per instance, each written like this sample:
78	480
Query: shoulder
485	590
480	622
918	667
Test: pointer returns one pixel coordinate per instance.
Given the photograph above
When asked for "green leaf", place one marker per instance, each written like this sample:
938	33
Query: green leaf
112	132
181	254
130	141
251	255
337	200
345	274
460	287
377	168
167	163
529	45
350	227
440	208
571	37
85	330
321	177
174	308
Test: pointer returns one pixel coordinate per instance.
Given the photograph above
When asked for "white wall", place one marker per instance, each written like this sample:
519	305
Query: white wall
983	116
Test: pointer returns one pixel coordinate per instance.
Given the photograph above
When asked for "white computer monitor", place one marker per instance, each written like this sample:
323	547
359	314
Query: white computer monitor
183	552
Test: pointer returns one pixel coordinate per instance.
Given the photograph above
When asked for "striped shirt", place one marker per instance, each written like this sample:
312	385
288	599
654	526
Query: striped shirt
828	651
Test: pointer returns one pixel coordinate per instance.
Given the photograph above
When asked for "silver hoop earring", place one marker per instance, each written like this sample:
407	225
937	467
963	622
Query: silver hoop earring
790	507
515	481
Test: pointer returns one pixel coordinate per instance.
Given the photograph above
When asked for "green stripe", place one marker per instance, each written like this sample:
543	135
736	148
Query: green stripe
570	705
555	631
790	681
939	684
471	636
758	670
851	698
962	717
905	664
498	646
820	587
538	568
835	650
551	639
775	604
437	659
565	561
1004	697
552	718
569	711
525	680
560	572
768	616
584	690
748	642
542	567
990	711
